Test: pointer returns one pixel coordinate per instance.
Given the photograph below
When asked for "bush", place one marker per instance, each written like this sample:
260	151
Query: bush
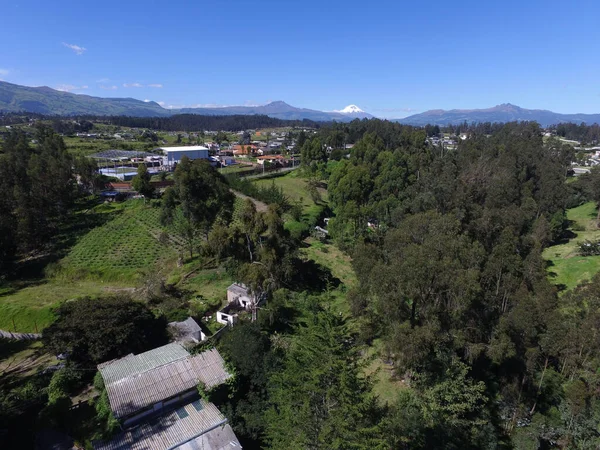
298	230
589	248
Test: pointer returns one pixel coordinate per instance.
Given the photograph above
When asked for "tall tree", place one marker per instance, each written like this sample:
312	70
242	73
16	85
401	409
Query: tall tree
141	182
320	399
200	195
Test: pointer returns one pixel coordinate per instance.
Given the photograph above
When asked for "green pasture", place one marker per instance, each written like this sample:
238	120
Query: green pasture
566	268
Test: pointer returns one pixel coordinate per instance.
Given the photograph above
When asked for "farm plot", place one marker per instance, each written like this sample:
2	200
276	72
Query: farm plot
134	239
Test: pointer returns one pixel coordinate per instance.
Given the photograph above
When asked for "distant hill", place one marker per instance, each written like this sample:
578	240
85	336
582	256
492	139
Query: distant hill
278	110
501	113
45	100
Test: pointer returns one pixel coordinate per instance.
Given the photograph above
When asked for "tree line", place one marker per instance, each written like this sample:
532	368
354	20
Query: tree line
39	190
447	247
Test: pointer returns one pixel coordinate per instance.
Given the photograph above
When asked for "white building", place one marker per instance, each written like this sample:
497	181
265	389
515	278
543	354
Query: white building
174	154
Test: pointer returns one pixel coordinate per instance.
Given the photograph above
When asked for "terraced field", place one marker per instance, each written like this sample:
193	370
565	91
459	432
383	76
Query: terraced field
133	240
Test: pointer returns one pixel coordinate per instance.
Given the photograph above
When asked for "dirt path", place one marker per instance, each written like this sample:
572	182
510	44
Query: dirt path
260	206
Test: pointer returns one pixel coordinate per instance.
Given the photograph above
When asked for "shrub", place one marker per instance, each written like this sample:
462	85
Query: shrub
298	230
589	248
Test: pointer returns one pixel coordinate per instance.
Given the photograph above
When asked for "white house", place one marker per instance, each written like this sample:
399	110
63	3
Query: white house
238	299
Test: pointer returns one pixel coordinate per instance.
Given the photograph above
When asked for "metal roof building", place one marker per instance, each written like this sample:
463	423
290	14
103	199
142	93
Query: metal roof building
174	154
186	331
137	383
120	154
197	425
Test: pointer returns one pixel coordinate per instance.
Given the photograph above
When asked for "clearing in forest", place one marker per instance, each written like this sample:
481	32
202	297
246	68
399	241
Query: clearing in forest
566	267
296	189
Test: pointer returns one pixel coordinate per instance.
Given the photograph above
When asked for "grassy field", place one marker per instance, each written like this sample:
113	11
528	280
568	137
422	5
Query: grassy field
29	308
331	257
566	268
295	187
236	169
106	259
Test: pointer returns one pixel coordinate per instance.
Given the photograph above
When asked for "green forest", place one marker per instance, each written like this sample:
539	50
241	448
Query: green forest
434	270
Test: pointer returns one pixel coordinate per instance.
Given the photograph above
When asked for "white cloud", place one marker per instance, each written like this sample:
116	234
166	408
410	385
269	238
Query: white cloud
69	87
4	72
76	48
161	103
135	85
146	100
155	85
109	88
103	80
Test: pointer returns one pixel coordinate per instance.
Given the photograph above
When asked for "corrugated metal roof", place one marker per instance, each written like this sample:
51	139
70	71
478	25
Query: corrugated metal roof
183	149
187	330
139	390
191	429
238	289
135	364
210	367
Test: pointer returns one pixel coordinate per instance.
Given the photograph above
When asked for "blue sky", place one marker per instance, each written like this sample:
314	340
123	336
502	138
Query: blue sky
392	58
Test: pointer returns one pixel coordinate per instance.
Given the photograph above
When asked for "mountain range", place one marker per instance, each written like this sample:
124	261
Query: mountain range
45	100
500	113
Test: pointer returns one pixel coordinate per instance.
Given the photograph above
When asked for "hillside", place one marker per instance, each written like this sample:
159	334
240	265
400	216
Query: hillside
500	113
45	100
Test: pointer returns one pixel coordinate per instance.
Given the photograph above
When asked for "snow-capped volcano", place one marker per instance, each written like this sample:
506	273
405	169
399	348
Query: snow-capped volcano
351	109
354	111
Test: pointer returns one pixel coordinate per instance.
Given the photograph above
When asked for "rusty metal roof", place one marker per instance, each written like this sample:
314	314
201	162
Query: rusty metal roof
197	425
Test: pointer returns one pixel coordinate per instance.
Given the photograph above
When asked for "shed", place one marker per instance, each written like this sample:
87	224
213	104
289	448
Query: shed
187	331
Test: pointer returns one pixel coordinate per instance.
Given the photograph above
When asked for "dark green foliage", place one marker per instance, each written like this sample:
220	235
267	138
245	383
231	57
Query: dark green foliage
199	196
141	182
319	398
452	279
589	248
313	151
92	331
272	194
38	190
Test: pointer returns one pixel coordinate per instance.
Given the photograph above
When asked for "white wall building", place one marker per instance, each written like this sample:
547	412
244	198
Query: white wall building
174	154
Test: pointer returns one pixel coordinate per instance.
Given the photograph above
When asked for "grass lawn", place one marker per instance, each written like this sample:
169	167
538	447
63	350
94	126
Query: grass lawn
566	268
237	168
328	255
30	306
107	258
295	187
211	284
385	384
